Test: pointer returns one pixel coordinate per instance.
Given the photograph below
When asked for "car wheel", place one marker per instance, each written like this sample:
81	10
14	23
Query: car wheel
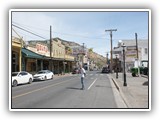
52	77
15	83
45	78
30	80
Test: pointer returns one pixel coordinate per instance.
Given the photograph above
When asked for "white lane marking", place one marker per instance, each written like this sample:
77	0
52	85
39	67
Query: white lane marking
92	84
91	74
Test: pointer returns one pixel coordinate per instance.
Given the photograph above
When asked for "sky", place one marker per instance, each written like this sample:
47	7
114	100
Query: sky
83	27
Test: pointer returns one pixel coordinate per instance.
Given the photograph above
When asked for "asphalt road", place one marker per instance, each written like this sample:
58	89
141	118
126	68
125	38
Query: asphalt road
65	92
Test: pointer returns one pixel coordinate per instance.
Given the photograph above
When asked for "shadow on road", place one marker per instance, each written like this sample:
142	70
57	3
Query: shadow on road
73	88
35	80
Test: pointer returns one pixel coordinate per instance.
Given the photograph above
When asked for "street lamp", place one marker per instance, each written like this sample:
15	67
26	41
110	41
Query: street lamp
116	67
124	72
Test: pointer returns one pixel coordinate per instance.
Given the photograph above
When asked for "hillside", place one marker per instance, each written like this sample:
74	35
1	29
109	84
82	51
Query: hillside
99	60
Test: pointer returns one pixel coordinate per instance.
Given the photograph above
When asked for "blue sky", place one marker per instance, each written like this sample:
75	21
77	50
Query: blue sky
83	27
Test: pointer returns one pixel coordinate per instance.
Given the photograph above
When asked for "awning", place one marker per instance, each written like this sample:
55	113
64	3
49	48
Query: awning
29	54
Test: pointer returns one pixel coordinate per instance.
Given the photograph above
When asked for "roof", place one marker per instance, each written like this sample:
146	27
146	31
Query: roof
141	42
30	54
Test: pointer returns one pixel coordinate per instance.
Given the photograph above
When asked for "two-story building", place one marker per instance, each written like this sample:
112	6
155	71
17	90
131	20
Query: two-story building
131	52
80	55
57	61
16	54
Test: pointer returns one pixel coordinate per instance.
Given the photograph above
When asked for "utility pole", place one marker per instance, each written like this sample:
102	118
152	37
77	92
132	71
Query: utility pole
51	48
137	53
111	30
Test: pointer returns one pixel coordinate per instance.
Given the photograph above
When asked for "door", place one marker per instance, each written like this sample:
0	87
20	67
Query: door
23	77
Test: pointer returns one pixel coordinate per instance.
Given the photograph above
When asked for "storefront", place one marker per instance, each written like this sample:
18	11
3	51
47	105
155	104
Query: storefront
33	62
16	54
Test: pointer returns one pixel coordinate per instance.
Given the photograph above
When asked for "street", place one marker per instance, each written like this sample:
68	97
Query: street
65	92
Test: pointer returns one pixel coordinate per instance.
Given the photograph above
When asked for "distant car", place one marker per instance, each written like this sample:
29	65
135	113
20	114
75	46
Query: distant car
21	78
75	71
105	70
43	75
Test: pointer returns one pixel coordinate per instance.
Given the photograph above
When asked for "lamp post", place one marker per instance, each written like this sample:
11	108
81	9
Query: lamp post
116	67
124	72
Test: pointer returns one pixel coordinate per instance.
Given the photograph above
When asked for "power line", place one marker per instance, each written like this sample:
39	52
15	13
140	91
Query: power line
16	33
29	26
21	33
68	34
24	27
28	31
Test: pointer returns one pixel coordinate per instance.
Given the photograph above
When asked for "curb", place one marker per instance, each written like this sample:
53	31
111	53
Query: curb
115	83
120	91
145	76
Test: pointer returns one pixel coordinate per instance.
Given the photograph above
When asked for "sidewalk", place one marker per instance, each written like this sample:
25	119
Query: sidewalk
135	94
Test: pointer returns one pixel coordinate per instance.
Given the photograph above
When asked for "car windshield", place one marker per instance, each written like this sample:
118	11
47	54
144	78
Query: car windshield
14	74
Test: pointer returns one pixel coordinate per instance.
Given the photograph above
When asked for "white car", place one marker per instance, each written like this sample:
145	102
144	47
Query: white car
43	75
21	78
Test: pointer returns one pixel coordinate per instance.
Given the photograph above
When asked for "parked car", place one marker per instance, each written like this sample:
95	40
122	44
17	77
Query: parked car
43	75
75	71
21	78
105	70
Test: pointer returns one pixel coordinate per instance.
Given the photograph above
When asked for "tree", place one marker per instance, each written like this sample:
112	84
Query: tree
90	52
68	50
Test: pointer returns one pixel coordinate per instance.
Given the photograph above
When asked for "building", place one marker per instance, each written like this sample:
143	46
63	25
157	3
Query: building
63	62
33	62
131	52
80	55
57	61
16	54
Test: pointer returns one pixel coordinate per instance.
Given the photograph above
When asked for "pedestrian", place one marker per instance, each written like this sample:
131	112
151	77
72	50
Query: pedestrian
83	74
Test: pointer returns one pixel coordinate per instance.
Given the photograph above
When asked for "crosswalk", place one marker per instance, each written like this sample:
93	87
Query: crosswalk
96	74
91	74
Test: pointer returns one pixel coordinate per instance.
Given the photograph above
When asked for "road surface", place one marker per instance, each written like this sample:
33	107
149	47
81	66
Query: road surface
65	92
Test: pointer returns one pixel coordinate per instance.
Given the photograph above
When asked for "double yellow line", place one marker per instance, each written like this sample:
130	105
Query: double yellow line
40	89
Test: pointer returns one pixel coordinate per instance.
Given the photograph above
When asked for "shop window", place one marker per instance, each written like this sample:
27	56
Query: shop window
15	64
33	66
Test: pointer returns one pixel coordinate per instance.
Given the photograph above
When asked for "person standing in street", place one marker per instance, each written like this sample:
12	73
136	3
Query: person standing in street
83	74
